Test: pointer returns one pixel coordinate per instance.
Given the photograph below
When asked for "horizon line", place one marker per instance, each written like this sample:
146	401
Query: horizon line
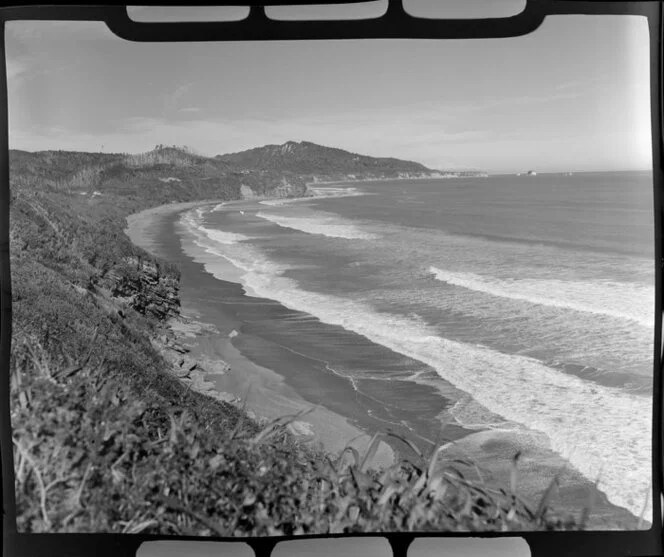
194	152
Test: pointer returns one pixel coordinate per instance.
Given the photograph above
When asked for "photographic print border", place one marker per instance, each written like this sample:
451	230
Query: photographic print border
394	24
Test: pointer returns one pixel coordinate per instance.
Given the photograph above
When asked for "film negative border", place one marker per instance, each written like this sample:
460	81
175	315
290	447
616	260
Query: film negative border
394	24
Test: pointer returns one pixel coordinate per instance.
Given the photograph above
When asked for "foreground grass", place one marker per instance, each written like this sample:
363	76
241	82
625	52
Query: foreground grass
106	441
94	455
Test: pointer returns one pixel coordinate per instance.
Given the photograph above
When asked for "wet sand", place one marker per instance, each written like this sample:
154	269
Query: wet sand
281	380
267	394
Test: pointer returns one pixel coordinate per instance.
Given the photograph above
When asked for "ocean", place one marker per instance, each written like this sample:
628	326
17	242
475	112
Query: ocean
523	302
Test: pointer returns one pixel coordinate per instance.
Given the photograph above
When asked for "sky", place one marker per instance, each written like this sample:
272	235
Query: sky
571	96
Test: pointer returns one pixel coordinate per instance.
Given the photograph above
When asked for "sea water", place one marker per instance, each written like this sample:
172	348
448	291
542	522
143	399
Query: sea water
532	295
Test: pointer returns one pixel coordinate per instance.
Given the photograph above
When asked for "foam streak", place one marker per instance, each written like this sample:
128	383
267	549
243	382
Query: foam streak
620	300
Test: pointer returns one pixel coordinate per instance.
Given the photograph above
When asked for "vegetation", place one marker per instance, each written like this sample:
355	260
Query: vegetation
328	163
106	441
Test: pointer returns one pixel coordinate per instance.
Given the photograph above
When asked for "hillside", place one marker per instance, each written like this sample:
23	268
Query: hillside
108	436
87	306
160	176
324	163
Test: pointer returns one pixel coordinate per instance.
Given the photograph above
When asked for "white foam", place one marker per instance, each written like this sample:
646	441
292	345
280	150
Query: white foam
224	237
622	300
194	225
321	226
314	193
228	247
596	427
284	201
219	207
328	191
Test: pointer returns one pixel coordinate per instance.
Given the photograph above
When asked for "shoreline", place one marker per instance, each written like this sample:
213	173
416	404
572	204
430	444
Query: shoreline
492	449
140	226
449	176
224	373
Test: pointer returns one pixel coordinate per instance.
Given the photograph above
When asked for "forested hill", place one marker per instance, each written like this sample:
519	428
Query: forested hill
163	175
172	174
316	161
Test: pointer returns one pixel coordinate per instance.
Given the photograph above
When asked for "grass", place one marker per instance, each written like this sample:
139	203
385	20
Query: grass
110	456
106	441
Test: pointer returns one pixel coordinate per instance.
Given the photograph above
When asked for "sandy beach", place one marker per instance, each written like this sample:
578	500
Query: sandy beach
142	227
221	342
233	376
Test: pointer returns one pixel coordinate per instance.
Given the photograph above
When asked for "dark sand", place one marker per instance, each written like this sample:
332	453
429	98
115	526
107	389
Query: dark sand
282	376
267	394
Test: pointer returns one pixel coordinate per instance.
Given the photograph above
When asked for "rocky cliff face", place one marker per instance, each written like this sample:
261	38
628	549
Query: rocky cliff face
143	286
286	188
289	188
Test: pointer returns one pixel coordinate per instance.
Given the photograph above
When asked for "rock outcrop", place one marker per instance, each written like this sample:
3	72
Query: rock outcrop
190	367
143	286
286	188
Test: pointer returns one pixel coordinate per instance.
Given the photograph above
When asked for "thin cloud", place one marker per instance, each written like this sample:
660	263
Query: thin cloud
172	99
23	69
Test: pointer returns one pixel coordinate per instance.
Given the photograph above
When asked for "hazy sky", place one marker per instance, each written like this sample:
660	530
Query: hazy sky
574	95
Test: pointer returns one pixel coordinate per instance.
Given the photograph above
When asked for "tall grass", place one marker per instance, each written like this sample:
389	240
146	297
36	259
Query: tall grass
104	456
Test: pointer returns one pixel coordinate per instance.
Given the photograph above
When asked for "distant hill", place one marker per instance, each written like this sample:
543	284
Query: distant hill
169	173
319	162
163	175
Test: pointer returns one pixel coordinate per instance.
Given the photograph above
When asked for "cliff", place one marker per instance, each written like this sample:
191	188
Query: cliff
293	187
140	285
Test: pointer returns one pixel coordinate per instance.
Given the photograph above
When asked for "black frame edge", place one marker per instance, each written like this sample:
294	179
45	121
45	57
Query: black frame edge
629	543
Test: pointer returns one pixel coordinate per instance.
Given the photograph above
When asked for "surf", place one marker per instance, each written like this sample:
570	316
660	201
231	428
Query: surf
201	232
594	426
621	300
321	226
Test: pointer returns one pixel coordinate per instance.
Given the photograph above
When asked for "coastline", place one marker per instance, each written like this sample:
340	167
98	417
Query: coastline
141	226
443	176
222	372
271	395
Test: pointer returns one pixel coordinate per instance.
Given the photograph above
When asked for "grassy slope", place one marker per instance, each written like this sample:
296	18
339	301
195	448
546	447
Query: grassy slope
105	440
